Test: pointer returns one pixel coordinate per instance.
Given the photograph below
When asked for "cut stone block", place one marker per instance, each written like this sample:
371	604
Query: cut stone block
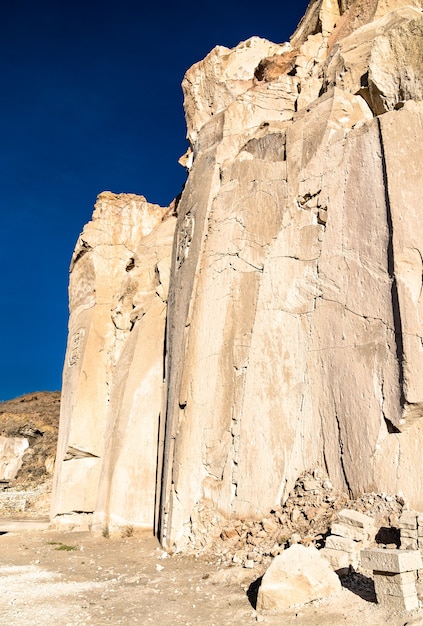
349	532
339	560
311	485
384	586
408	520
397	603
407	532
12	450
404	578
409	543
395	561
356	519
342	543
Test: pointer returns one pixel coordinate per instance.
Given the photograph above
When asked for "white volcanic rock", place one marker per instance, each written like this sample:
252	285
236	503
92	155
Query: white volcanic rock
297	576
294	317
212	84
112	298
12	450
287	305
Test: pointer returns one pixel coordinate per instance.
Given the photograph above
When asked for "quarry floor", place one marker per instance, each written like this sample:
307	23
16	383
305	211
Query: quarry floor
49	577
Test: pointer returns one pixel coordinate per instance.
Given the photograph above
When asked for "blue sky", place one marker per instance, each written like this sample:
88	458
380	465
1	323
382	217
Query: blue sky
91	101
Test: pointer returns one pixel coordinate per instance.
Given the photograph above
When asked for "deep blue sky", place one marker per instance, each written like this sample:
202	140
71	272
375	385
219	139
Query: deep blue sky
91	101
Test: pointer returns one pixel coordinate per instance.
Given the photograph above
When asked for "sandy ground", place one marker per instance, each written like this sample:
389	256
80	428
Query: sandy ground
50	577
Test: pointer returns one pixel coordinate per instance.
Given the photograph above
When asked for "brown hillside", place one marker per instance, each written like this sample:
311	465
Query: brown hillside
36	417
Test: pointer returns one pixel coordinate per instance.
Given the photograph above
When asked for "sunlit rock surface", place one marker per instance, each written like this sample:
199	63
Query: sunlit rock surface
113	372
12	450
293	323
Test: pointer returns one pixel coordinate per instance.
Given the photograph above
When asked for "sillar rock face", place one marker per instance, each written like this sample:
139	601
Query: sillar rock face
113	368
293	323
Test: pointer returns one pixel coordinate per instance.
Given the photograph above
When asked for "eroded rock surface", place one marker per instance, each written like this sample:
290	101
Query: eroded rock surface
293	320
112	381
293	323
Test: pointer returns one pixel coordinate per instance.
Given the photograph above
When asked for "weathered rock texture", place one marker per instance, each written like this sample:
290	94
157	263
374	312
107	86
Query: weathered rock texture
298	576
12	450
294	335
112	382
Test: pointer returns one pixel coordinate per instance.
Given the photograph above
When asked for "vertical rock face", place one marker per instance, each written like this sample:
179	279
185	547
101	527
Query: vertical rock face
293	324
112	377
297	271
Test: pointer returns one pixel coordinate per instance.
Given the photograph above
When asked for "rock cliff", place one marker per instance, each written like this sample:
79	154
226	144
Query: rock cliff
292	275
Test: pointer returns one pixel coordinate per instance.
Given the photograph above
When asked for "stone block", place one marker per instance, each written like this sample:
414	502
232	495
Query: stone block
398	603
339	560
408	543
349	532
342	543
385	586
420	522
407	532
395	561
356	519
408	520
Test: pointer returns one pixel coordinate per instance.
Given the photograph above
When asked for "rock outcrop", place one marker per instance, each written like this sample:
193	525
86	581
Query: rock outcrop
112	382
293	324
12	450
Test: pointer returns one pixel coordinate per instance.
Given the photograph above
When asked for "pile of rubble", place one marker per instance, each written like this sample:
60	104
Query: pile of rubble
306	518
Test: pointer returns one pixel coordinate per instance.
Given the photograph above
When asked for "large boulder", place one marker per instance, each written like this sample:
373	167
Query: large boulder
297	576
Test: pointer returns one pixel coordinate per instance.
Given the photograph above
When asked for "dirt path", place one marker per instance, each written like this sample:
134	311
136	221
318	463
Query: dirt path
50	577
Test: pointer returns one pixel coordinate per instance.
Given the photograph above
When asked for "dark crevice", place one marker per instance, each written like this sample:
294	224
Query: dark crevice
325	461
156	521
391	270
252	592
390	427
73	453
131	264
161	438
85	247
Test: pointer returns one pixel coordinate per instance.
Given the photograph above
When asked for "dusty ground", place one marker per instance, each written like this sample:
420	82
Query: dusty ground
56	577
50	577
